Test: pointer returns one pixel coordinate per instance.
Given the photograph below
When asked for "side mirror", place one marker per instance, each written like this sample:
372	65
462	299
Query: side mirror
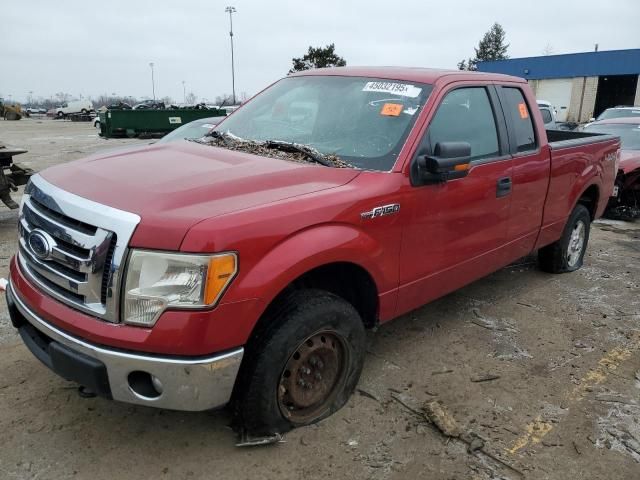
450	160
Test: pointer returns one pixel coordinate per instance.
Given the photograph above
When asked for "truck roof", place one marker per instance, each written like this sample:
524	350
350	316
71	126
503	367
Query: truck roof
413	74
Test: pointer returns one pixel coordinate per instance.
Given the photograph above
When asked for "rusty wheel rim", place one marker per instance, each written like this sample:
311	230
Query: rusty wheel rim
311	378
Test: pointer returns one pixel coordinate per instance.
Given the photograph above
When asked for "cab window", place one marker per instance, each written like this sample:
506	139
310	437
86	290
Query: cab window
466	115
520	121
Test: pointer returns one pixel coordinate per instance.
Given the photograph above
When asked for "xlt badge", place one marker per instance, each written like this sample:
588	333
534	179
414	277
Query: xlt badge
381	211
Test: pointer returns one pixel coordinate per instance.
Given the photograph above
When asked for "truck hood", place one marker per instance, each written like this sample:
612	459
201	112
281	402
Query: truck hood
629	160
176	185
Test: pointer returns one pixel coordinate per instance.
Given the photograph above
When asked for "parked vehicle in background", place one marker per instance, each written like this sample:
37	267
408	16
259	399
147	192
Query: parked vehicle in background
78	106
119	106
625	202
617	112
545	103
96	122
245	267
196	129
10	110
12	175
149	105
548	114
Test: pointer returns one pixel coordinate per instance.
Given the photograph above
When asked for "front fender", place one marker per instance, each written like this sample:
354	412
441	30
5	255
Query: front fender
314	247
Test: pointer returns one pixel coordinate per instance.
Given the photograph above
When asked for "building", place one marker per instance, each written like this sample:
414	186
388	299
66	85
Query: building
579	85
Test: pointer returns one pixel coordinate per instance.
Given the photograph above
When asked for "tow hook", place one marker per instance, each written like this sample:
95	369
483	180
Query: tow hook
85	392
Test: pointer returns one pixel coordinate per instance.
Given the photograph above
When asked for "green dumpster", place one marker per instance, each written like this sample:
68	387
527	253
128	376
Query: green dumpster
149	123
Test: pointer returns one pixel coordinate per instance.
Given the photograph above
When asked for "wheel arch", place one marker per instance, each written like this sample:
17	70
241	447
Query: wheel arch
590	198
338	258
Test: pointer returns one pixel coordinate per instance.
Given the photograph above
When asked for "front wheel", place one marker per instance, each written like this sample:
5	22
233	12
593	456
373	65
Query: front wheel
567	254
302	367
60	114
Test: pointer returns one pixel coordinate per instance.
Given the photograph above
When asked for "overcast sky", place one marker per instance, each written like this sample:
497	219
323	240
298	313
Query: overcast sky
90	47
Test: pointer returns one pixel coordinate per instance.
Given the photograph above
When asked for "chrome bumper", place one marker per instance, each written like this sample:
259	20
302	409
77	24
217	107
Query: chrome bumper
187	384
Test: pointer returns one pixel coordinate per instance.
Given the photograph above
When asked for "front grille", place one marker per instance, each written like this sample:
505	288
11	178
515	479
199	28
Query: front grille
73	248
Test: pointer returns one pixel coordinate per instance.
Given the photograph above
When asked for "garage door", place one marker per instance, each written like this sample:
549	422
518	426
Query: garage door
558	93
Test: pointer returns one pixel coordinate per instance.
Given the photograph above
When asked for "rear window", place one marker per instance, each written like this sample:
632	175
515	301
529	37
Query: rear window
546	116
521	122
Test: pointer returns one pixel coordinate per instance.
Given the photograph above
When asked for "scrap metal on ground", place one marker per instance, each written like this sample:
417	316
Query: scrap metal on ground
12	175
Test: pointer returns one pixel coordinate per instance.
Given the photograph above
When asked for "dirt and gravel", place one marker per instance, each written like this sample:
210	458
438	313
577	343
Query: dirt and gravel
536	376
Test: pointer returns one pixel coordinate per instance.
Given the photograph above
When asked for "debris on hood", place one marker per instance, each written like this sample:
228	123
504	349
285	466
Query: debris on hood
293	152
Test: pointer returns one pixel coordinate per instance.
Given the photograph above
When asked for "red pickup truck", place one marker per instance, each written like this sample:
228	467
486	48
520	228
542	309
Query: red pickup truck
244	267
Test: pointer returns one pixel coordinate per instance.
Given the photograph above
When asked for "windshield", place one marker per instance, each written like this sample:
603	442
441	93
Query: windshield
195	129
362	121
618	113
629	133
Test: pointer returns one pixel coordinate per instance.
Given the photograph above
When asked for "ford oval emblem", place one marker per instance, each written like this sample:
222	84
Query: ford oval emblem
41	244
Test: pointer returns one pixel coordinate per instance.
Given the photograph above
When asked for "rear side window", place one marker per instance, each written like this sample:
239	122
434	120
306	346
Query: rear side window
465	115
546	116
521	122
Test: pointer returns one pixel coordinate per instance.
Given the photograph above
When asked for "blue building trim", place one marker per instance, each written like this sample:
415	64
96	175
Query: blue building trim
588	64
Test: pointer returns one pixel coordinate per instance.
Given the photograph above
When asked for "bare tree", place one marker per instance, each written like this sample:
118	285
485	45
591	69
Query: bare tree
547	50
62	97
224	99
190	98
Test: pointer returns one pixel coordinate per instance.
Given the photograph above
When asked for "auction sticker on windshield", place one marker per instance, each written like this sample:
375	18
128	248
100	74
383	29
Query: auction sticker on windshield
403	89
391	109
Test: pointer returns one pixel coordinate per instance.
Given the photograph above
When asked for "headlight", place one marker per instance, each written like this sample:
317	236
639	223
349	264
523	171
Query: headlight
159	280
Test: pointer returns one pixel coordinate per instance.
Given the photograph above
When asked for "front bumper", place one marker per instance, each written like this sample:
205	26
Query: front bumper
192	384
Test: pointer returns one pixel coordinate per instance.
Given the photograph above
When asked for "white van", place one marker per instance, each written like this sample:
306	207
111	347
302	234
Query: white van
78	106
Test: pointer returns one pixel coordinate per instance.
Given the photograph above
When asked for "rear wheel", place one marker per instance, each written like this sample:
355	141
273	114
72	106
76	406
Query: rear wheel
60	114
567	254
303	366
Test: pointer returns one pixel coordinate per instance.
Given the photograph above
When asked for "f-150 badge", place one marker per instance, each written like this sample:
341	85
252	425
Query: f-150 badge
381	211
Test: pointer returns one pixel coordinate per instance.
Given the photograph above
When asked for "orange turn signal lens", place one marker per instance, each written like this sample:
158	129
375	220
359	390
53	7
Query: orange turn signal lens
462	167
222	269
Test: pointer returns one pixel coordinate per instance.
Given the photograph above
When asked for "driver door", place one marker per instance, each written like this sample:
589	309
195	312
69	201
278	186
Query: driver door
456	230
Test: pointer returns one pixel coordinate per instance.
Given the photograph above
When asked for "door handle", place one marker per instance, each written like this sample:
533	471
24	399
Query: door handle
504	187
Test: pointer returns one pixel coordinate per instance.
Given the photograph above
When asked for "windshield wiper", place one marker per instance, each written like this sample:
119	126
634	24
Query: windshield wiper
310	152
218	136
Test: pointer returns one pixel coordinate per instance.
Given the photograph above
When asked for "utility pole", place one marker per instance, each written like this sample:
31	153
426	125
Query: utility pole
231	10
184	93
153	82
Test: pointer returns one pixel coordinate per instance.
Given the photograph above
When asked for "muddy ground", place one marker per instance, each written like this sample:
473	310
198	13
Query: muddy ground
564	403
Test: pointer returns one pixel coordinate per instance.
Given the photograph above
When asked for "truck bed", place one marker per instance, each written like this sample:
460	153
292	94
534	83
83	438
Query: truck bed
566	139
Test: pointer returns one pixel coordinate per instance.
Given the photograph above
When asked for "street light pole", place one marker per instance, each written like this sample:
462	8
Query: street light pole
153	82
184	93
231	10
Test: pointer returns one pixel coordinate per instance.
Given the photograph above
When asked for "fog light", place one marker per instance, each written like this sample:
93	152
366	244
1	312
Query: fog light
144	385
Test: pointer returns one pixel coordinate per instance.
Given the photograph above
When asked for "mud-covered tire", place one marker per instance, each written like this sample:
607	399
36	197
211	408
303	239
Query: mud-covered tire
567	254
301	317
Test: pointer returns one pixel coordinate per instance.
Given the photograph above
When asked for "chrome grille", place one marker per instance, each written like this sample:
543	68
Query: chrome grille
73	248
